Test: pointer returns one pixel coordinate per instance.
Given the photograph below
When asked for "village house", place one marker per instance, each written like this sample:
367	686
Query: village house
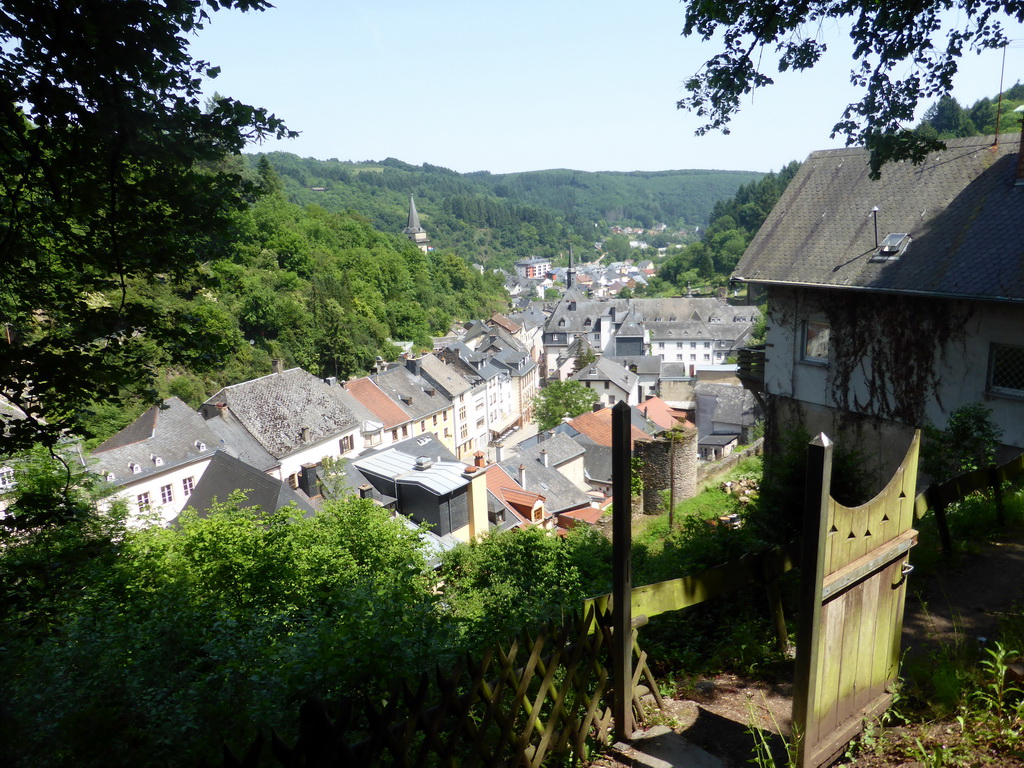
894	302
156	461
280	422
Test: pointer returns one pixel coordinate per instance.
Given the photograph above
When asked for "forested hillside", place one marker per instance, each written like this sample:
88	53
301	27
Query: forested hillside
733	223
495	219
947	119
324	291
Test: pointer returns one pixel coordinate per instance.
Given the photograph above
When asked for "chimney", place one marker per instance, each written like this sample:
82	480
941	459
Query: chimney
304	434
423	462
598	406
544	456
365	491
308	480
522	475
222	410
413	365
330	381
499	450
479	460
277	365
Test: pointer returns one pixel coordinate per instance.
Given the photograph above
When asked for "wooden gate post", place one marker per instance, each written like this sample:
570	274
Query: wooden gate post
622	573
812	570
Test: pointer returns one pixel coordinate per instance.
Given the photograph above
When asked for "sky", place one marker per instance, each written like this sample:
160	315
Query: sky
584	84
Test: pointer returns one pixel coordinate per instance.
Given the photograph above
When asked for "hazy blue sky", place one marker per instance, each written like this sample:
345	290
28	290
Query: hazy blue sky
583	84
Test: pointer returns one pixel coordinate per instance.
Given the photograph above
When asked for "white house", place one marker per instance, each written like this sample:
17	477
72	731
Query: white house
894	302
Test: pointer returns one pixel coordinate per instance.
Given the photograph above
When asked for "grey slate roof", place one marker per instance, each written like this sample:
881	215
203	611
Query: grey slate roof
561	448
604	369
447	378
227	474
411	392
173	433
235	440
960	207
276	408
558	492
646	365
736	405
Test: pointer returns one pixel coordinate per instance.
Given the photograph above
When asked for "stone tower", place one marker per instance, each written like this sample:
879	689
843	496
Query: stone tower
414	231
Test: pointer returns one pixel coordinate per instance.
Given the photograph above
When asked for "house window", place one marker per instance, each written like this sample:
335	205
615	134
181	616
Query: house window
435	419
187	485
606	385
480	423
707	358
143	502
405	431
6	478
347	443
1006	370
707	345
679	357
693	345
166	494
679	345
816	341
463	431
693	358
394	434
661	345
293	481
462	414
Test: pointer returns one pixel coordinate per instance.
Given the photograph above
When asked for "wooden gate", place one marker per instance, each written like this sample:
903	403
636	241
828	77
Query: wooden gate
853	588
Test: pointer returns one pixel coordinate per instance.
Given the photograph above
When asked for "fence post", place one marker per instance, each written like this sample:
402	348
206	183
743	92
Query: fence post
936	497
996	481
812	571
622	573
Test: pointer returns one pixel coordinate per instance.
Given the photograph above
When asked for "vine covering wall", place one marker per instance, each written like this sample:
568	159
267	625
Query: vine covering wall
885	350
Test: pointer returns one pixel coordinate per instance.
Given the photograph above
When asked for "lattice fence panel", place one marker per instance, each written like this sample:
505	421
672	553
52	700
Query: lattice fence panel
543	697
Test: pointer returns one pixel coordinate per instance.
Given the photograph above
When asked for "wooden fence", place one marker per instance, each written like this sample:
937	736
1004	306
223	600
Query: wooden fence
542	697
939	496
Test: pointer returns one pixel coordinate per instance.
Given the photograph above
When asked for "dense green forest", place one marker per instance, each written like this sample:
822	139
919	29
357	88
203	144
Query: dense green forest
495	219
732	224
324	291
947	119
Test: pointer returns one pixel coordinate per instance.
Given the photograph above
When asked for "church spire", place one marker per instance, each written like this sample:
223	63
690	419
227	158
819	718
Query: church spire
414	231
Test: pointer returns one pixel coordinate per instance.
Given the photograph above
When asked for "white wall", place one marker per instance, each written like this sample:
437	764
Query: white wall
153	483
963	364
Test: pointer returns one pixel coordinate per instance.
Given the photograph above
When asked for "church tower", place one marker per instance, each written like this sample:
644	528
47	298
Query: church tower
414	231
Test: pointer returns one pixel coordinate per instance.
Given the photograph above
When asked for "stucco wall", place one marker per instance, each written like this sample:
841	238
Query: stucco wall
961	362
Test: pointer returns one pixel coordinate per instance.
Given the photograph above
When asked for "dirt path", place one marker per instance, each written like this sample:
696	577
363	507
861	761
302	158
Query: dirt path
964	603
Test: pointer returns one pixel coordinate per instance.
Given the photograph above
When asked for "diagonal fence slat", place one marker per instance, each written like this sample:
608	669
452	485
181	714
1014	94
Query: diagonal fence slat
538	699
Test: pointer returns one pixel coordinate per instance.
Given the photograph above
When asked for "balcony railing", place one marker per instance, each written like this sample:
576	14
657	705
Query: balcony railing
751	362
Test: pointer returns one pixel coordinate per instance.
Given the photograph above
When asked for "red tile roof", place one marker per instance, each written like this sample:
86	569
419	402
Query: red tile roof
663	414
373	398
597	425
500	320
509	492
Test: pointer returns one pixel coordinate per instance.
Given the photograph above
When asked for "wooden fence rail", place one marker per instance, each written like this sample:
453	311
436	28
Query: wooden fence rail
939	496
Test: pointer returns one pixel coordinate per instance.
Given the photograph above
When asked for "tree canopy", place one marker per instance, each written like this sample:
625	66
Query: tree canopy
560	399
902	53
110	170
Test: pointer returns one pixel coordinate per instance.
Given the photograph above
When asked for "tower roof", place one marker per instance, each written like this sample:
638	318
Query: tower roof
414	220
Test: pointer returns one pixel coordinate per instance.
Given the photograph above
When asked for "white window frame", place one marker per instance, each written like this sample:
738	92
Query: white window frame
811	344
997	380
